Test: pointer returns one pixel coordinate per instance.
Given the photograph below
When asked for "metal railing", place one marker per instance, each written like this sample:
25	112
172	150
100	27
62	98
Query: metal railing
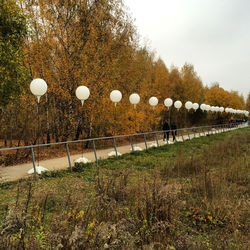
182	132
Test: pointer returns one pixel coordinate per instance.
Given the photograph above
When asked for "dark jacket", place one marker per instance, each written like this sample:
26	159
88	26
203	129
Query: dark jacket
165	126
173	127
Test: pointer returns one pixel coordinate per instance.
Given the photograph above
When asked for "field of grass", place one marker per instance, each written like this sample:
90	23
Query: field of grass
190	195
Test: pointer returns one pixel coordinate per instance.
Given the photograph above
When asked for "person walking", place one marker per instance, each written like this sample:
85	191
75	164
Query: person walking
174	131
165	129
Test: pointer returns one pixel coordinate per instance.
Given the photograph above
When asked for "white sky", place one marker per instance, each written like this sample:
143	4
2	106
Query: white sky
213	35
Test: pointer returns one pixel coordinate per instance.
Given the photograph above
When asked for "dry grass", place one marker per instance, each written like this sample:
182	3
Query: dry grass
194	195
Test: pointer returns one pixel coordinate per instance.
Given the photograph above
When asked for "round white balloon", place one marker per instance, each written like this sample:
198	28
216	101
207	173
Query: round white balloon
134	98
153	101
38	87
221	109
195	106
168	102
82	93
211	108
208	108
203	107
188	105
178	104
115	96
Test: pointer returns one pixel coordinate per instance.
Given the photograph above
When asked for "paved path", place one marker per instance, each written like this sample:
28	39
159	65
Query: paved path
16	172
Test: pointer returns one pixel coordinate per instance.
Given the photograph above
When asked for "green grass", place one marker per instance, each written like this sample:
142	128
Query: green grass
189	195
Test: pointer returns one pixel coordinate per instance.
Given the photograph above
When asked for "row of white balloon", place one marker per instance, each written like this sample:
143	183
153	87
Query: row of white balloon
205	107
82	93
39	87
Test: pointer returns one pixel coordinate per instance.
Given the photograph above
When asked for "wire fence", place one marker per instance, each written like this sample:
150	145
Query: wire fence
147	139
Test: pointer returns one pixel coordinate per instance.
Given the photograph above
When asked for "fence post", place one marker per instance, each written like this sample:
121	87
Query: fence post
145	141
67	149
194	132
131	143
156	139
188	134
96	159
204	131
182	135
115	147
199	131
33	160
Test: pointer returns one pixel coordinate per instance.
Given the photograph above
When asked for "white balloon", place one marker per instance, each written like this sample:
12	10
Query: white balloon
82	93
221	109
188	105
178	104
153	101
217	109
115	96
212	108
203	107
134	98
168	102
195	106
38	87
208	108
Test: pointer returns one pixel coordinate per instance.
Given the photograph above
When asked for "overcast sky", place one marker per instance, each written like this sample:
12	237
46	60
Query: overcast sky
213	35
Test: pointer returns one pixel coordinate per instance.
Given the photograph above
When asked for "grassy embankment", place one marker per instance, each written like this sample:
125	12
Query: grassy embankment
190	195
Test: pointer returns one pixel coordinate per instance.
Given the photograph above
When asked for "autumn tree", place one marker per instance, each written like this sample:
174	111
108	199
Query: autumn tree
248	102
79	43
13	30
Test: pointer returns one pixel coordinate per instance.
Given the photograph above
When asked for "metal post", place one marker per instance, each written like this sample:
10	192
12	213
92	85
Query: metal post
96	159
33	161
156	139
188	134
115	147
194	133
199	130
145	141
67	149
131	142
182	135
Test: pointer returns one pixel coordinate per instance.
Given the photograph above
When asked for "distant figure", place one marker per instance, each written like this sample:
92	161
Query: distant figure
166	128
174	132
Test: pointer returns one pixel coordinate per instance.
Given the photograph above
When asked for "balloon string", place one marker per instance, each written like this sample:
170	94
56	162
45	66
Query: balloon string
135	119
38	134
82	149
82	129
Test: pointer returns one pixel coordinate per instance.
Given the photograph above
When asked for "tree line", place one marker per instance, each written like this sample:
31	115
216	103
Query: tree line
69	43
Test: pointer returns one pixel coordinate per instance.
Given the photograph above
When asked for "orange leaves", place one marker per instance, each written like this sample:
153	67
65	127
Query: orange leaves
217	96
94	43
